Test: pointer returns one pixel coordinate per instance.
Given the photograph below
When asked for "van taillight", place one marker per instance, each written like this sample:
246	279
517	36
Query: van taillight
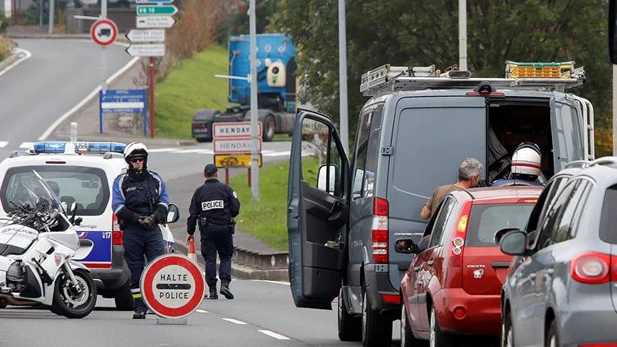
116	233
458	238
379	234
592	268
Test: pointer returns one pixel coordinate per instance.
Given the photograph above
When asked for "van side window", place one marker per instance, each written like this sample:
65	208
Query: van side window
322	164
568	132
366	152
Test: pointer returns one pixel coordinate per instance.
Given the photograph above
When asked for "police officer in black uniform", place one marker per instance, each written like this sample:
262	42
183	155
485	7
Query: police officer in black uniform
214	205
140	201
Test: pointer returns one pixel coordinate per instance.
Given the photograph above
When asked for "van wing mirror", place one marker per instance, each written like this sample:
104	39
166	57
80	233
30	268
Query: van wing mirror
322	179
173	213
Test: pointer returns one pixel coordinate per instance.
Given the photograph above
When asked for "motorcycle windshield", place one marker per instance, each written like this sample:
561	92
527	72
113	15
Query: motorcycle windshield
38	193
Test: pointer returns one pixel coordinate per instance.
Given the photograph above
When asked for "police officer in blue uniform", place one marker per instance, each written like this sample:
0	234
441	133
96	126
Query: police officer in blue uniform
140	202
214	205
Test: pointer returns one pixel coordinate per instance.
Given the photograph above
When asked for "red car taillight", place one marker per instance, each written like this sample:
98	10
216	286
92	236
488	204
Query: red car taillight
116	233
455	258
379	234
591	268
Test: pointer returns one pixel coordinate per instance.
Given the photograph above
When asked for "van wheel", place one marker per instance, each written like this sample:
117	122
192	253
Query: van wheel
376	328
124	298
407	338
552	340
437	337
349	326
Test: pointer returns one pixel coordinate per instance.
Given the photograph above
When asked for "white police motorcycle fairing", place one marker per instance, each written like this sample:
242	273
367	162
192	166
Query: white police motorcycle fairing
37	244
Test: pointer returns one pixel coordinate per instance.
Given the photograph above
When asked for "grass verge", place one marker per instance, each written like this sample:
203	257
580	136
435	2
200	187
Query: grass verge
188	88
267	220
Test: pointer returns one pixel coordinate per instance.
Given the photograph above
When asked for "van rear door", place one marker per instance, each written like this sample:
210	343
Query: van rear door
431	137
567	126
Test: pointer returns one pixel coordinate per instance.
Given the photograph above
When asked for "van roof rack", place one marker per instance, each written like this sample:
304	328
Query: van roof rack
518	75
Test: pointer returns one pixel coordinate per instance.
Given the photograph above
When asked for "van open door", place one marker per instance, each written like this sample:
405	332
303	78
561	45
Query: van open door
567	127
317	211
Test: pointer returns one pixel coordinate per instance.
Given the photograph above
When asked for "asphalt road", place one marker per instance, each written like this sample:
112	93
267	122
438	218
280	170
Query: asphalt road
56	77
262	314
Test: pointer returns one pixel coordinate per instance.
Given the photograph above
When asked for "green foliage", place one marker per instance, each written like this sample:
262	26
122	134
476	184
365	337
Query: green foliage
403	32
4	22
6	46
237	19
31	16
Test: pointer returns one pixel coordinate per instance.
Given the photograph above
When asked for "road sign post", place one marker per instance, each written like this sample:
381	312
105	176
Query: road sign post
173	287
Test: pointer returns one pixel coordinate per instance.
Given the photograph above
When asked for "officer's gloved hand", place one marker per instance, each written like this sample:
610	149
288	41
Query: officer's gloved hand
148	222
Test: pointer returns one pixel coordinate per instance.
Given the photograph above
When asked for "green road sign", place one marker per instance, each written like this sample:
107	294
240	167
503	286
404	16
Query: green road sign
168	10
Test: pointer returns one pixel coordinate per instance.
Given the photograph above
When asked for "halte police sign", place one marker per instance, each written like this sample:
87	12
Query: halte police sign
172	286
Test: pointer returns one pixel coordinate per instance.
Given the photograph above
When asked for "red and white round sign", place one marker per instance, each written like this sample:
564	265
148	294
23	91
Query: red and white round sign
104	32
172	286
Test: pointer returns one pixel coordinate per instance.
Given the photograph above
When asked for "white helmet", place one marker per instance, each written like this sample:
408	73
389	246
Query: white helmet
135	150
527	160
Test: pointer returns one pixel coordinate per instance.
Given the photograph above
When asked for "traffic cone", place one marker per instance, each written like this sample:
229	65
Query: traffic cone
191	251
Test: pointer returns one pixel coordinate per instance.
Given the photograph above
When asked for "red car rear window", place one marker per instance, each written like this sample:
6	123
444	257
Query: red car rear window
486	219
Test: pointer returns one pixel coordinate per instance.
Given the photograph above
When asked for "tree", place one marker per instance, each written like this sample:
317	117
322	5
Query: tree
403	32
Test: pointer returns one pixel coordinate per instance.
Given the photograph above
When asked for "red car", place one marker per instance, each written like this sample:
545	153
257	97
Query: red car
453	285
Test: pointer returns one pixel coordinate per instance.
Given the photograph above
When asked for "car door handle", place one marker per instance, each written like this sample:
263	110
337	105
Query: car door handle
550	271
430	262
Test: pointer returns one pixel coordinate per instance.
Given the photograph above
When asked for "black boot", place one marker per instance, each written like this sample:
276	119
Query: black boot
140	309
225	290
213	295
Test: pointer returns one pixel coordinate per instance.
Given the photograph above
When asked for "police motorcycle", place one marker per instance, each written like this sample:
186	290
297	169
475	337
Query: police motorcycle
37	247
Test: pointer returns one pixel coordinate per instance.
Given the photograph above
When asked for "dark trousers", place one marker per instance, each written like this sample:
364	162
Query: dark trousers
217	238
139	242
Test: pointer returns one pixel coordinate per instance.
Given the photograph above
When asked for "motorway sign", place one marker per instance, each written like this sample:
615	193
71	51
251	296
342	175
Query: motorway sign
168	10
235	160
234	129
155	22
123	101
234	145
147	35
103	32
146	50
154	1
172	286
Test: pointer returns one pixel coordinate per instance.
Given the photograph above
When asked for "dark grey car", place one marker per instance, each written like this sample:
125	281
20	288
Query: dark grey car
560	289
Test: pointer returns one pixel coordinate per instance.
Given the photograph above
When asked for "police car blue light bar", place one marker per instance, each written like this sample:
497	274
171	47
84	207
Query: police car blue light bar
80	147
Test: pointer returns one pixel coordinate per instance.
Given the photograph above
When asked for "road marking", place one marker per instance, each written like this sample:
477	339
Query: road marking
273	334
195	151
202	311
156	150
25	56
235	321
87	99
27	145
277	154
3	144
276	282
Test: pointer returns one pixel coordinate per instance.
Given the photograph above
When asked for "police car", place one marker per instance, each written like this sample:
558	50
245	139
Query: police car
82	175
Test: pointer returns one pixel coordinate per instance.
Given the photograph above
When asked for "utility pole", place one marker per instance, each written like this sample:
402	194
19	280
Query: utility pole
342	68
253	81
462	35
52	4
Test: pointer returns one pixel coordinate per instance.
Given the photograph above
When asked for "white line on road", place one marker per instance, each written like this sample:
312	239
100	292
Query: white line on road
156	150
3	144
86	100
26	145
25	56
273	334
235	321
201	311
276	282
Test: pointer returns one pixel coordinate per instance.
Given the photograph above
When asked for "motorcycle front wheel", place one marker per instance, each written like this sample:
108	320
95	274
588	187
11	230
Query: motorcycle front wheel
73	303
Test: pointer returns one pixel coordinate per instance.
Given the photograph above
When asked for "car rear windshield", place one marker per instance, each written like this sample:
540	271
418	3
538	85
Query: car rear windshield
85	186
486	219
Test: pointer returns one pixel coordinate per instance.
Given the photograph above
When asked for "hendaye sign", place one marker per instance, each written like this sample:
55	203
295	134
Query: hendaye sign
240	129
